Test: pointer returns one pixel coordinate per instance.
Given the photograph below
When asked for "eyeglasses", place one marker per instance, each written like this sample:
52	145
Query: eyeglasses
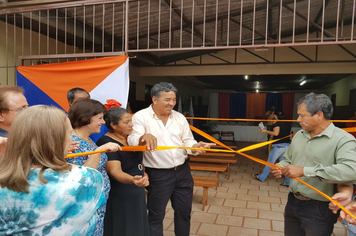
20	109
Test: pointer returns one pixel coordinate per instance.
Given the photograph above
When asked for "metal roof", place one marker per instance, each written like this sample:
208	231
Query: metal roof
188	32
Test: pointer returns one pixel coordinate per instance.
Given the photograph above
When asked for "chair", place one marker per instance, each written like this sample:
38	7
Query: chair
230	135
215	134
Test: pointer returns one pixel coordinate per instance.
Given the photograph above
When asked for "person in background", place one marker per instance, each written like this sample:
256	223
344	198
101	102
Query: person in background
86	117
75	94
345	198
271	116
348	221
12	101
272	119
168	170
279	130
126	211
323	156
128	108
42	194
352	124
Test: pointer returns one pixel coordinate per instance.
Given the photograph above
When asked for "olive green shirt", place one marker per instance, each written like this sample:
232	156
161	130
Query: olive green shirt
328	159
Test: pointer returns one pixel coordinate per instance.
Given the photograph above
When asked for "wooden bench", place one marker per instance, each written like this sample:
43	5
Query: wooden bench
208	167
216	157
205	182
221	147
218	154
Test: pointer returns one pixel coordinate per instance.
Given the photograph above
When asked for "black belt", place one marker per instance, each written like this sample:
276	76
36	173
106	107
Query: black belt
174	168
178	167
301	197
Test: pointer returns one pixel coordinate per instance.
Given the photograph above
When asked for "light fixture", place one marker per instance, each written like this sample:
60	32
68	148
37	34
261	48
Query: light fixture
257	90
246	77
303	82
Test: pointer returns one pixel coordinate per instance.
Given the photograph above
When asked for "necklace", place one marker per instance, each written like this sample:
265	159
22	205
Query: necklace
86	139
118	138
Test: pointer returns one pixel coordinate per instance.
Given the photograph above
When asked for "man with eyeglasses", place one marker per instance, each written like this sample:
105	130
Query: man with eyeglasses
12	101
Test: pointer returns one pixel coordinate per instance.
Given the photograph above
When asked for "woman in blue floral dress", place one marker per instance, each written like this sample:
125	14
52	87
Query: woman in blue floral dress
86	117
42	194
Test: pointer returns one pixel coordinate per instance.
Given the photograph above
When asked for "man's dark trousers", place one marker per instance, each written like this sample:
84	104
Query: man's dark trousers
176	185
309	218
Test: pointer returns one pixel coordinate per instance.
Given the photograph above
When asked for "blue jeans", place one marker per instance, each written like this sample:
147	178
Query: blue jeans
276	153
350	228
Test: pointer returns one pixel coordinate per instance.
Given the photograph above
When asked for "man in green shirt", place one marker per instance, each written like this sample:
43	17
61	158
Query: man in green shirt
323	156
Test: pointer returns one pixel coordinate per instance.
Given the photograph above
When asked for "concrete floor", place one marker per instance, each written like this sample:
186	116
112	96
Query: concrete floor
241	205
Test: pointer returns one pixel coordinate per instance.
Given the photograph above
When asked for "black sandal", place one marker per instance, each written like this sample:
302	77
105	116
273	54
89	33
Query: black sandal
256	175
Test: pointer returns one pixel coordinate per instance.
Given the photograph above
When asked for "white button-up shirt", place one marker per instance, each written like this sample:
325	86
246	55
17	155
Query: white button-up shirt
176	133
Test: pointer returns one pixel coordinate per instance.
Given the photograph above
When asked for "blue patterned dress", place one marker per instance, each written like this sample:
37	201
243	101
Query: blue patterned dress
85	146
66	205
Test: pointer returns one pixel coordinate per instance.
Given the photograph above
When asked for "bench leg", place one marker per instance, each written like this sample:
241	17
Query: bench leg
205	197
228	170
217	184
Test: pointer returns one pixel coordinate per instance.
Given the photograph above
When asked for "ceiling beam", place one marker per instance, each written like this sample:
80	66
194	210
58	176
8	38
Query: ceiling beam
270	25
252	69
146	57
295	50
31	23
320	13
327	33
262	58
184	18
249	28
346	50
184	55
219	58
221	16
37	5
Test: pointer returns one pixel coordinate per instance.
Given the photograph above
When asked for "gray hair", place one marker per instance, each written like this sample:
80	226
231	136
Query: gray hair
4	91
317	102
114	115
162	87
71	93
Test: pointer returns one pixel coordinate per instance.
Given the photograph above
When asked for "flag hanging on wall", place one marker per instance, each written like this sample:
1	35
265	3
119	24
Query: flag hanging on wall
104	78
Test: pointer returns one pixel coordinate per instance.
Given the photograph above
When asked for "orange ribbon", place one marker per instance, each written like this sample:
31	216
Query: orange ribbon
240	151
124	148
276	166
257	120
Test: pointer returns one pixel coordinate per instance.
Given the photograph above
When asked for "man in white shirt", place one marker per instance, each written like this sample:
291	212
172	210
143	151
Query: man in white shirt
168	170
